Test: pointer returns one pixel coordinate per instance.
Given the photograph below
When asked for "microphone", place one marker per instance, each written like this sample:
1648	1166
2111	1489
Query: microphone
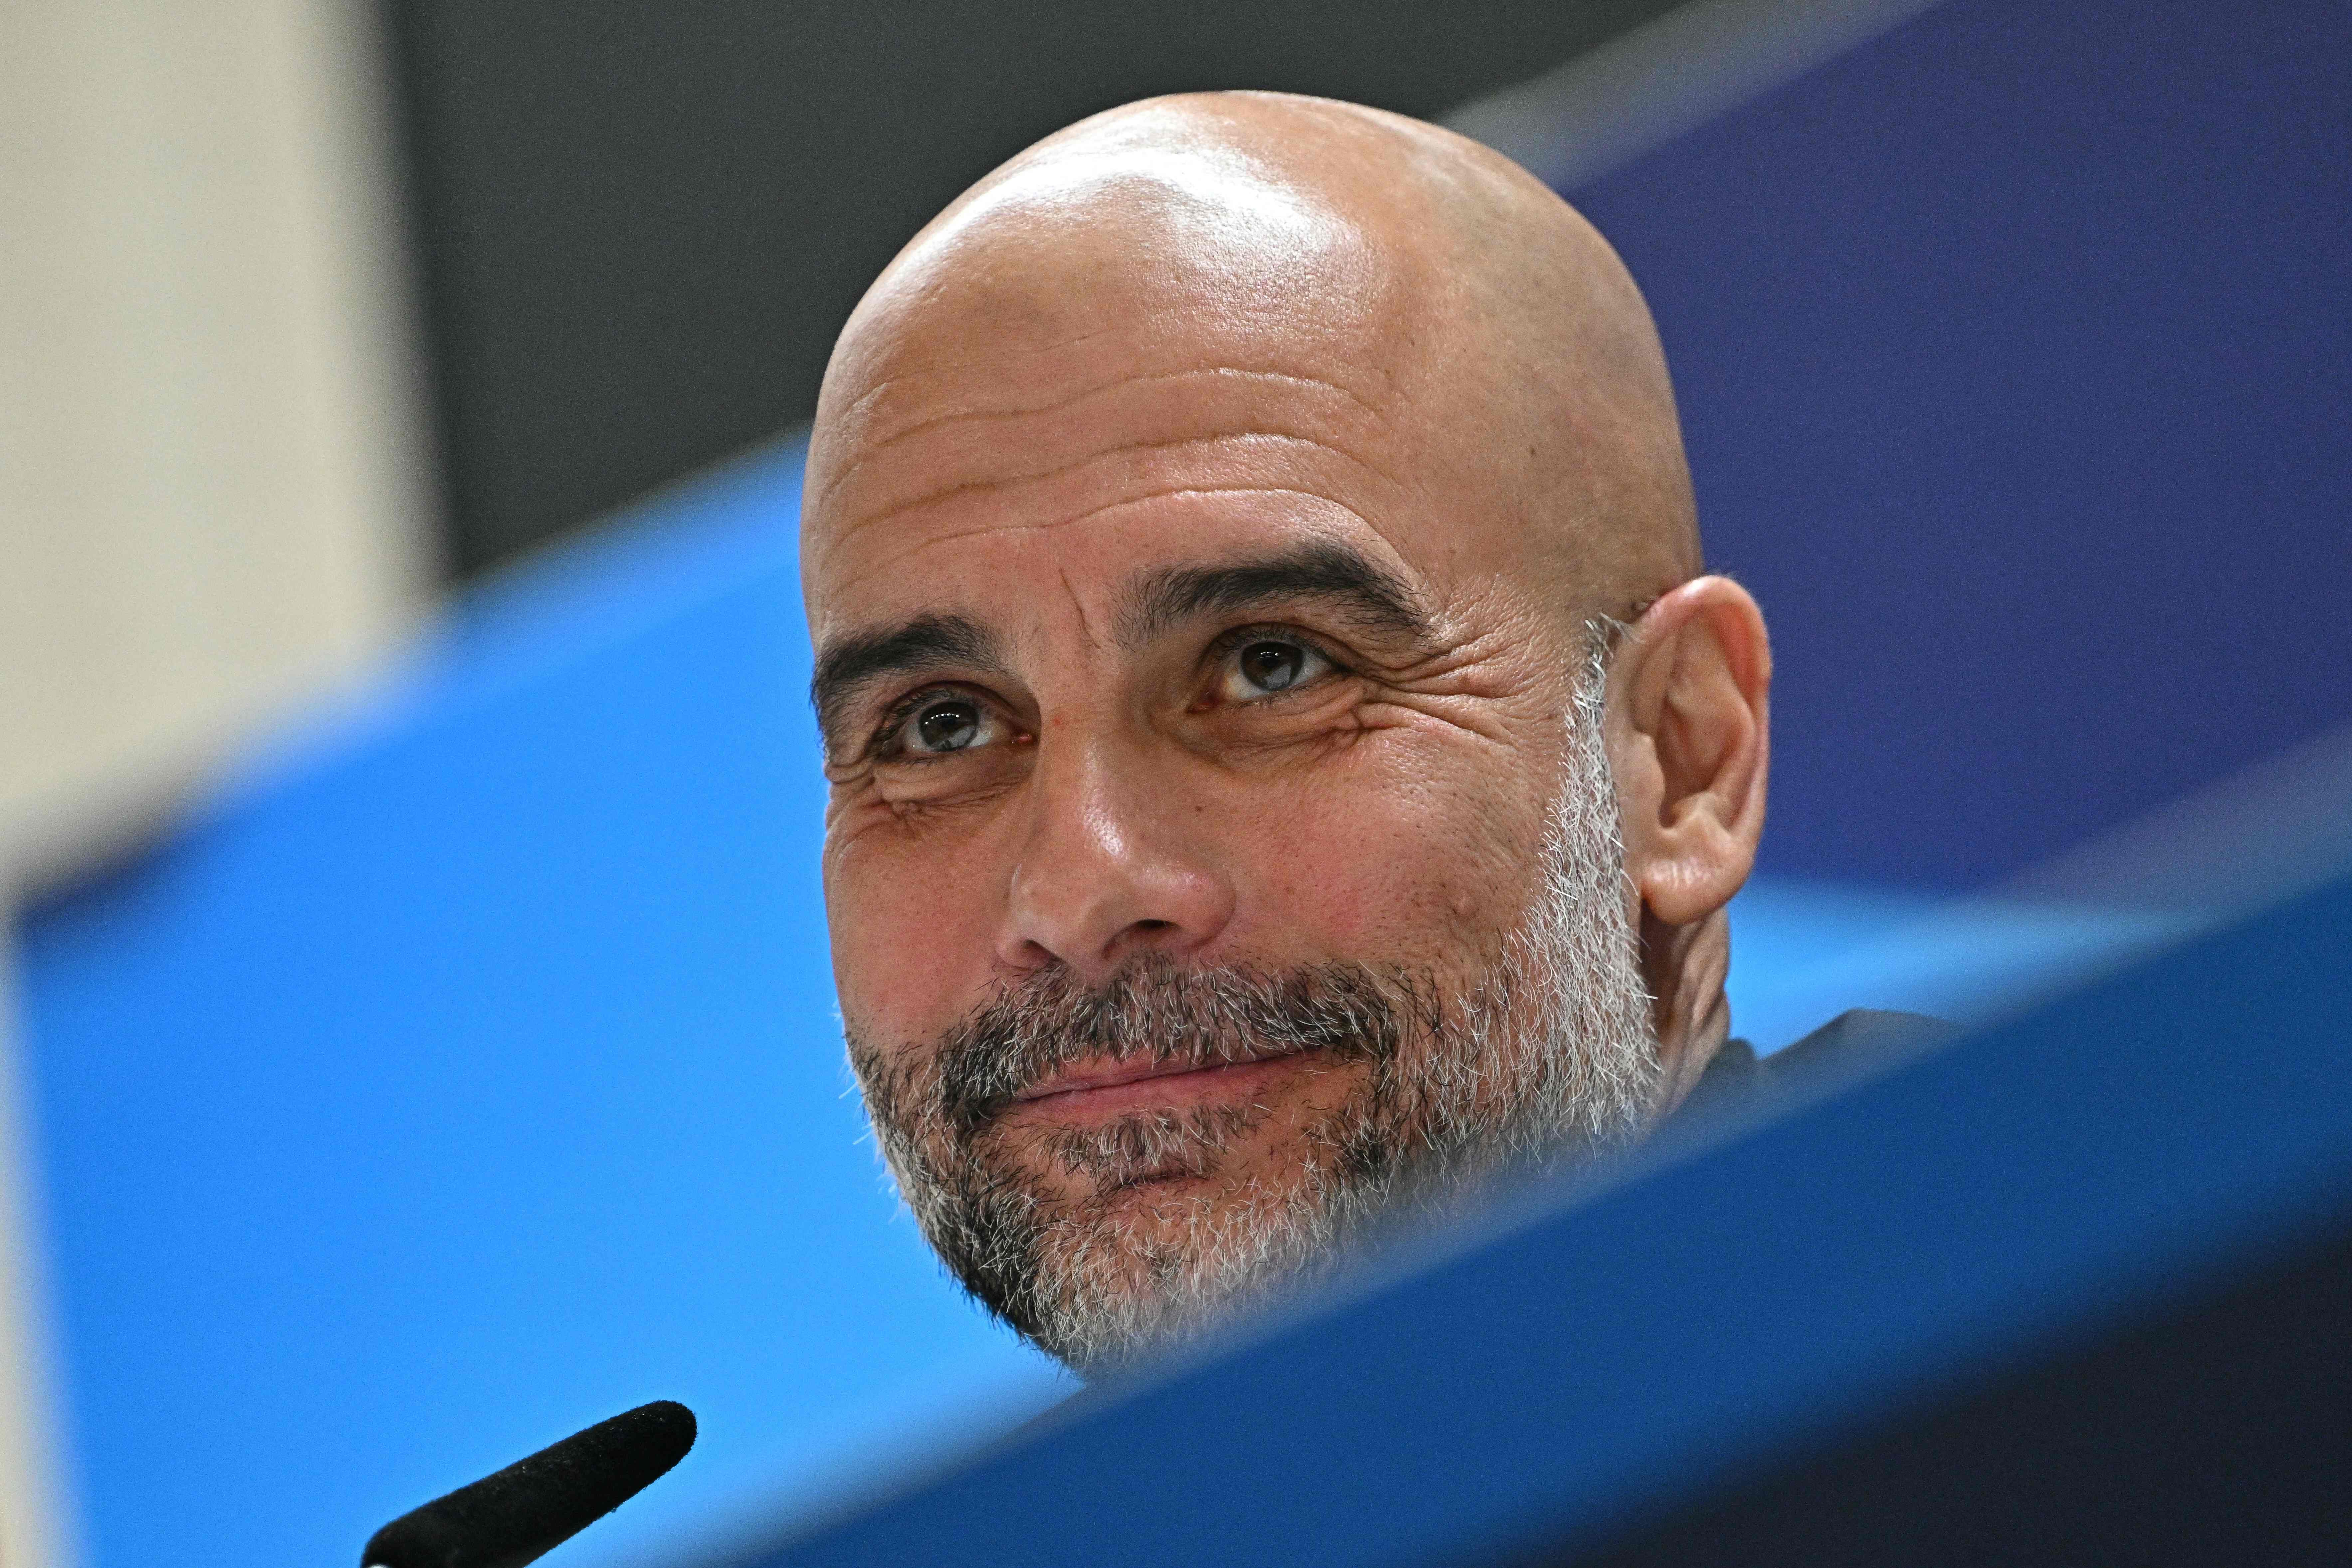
537	1504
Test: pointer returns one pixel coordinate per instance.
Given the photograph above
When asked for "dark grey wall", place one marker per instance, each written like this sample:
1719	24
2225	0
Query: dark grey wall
639	226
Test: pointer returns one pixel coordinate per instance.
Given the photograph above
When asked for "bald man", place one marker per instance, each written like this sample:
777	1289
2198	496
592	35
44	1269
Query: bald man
1288	766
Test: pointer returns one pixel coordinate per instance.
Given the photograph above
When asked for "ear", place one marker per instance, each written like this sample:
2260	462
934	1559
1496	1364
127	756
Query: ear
1688	742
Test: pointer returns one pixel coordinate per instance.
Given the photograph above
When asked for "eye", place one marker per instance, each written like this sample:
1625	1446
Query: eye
1263	665
949	721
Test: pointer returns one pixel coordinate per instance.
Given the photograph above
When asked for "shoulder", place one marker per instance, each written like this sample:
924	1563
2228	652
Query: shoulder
1859	1037
1856	1041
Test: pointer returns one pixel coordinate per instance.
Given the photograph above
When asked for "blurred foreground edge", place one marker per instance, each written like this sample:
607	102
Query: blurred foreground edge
2076	1288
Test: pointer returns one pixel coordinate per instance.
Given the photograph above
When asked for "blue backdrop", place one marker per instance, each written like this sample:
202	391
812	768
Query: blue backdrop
2014	355
467	1070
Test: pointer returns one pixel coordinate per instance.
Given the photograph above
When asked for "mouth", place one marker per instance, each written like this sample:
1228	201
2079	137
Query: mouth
1108	1085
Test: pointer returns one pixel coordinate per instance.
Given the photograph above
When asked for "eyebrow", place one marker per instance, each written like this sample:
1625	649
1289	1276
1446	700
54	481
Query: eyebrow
1156	602
848	665
1336	574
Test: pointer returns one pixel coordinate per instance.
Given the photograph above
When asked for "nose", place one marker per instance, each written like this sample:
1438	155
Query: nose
1111	866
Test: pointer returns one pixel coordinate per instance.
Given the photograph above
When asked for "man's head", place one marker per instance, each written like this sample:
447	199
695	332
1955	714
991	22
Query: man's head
1285	763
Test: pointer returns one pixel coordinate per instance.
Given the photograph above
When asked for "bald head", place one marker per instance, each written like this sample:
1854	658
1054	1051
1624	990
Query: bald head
1202	260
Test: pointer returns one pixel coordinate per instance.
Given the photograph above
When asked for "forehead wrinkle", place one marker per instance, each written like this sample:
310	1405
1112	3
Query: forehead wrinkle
1280	378
898	563
1246	377
844	533
862	406
980	361
1078	606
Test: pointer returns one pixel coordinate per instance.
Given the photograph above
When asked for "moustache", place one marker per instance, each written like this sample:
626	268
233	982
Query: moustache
1159	1012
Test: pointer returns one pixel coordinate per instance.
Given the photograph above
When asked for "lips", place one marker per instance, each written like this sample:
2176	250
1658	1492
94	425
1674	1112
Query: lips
1086	1078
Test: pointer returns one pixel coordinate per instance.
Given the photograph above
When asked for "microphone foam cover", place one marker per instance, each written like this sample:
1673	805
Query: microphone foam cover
506	1519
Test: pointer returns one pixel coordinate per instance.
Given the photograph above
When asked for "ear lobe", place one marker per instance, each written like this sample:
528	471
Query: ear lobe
1689	744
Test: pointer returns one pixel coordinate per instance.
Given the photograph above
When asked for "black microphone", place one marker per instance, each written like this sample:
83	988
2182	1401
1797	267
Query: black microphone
535	1505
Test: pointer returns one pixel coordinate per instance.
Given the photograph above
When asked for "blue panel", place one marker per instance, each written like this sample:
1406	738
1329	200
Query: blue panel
2014	355
471	1073
1802	952
1738	1305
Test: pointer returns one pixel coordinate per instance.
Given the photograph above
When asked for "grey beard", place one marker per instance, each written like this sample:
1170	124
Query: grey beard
1549	1057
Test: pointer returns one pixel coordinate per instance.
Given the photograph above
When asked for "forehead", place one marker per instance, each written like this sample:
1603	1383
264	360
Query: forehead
1081	238
1113	366
1116	580
1146	488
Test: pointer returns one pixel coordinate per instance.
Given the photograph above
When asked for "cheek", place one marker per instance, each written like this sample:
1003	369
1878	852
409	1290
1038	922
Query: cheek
912	933
1400	852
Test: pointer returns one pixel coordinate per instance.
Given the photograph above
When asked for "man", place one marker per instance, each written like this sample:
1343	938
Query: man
1288	766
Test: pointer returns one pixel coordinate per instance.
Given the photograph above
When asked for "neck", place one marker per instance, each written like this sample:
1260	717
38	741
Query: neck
1685	967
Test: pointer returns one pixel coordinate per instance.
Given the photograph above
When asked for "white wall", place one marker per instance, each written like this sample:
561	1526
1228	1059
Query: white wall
208	478
212	497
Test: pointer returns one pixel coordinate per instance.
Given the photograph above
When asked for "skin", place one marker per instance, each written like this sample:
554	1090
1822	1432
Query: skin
1226	331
